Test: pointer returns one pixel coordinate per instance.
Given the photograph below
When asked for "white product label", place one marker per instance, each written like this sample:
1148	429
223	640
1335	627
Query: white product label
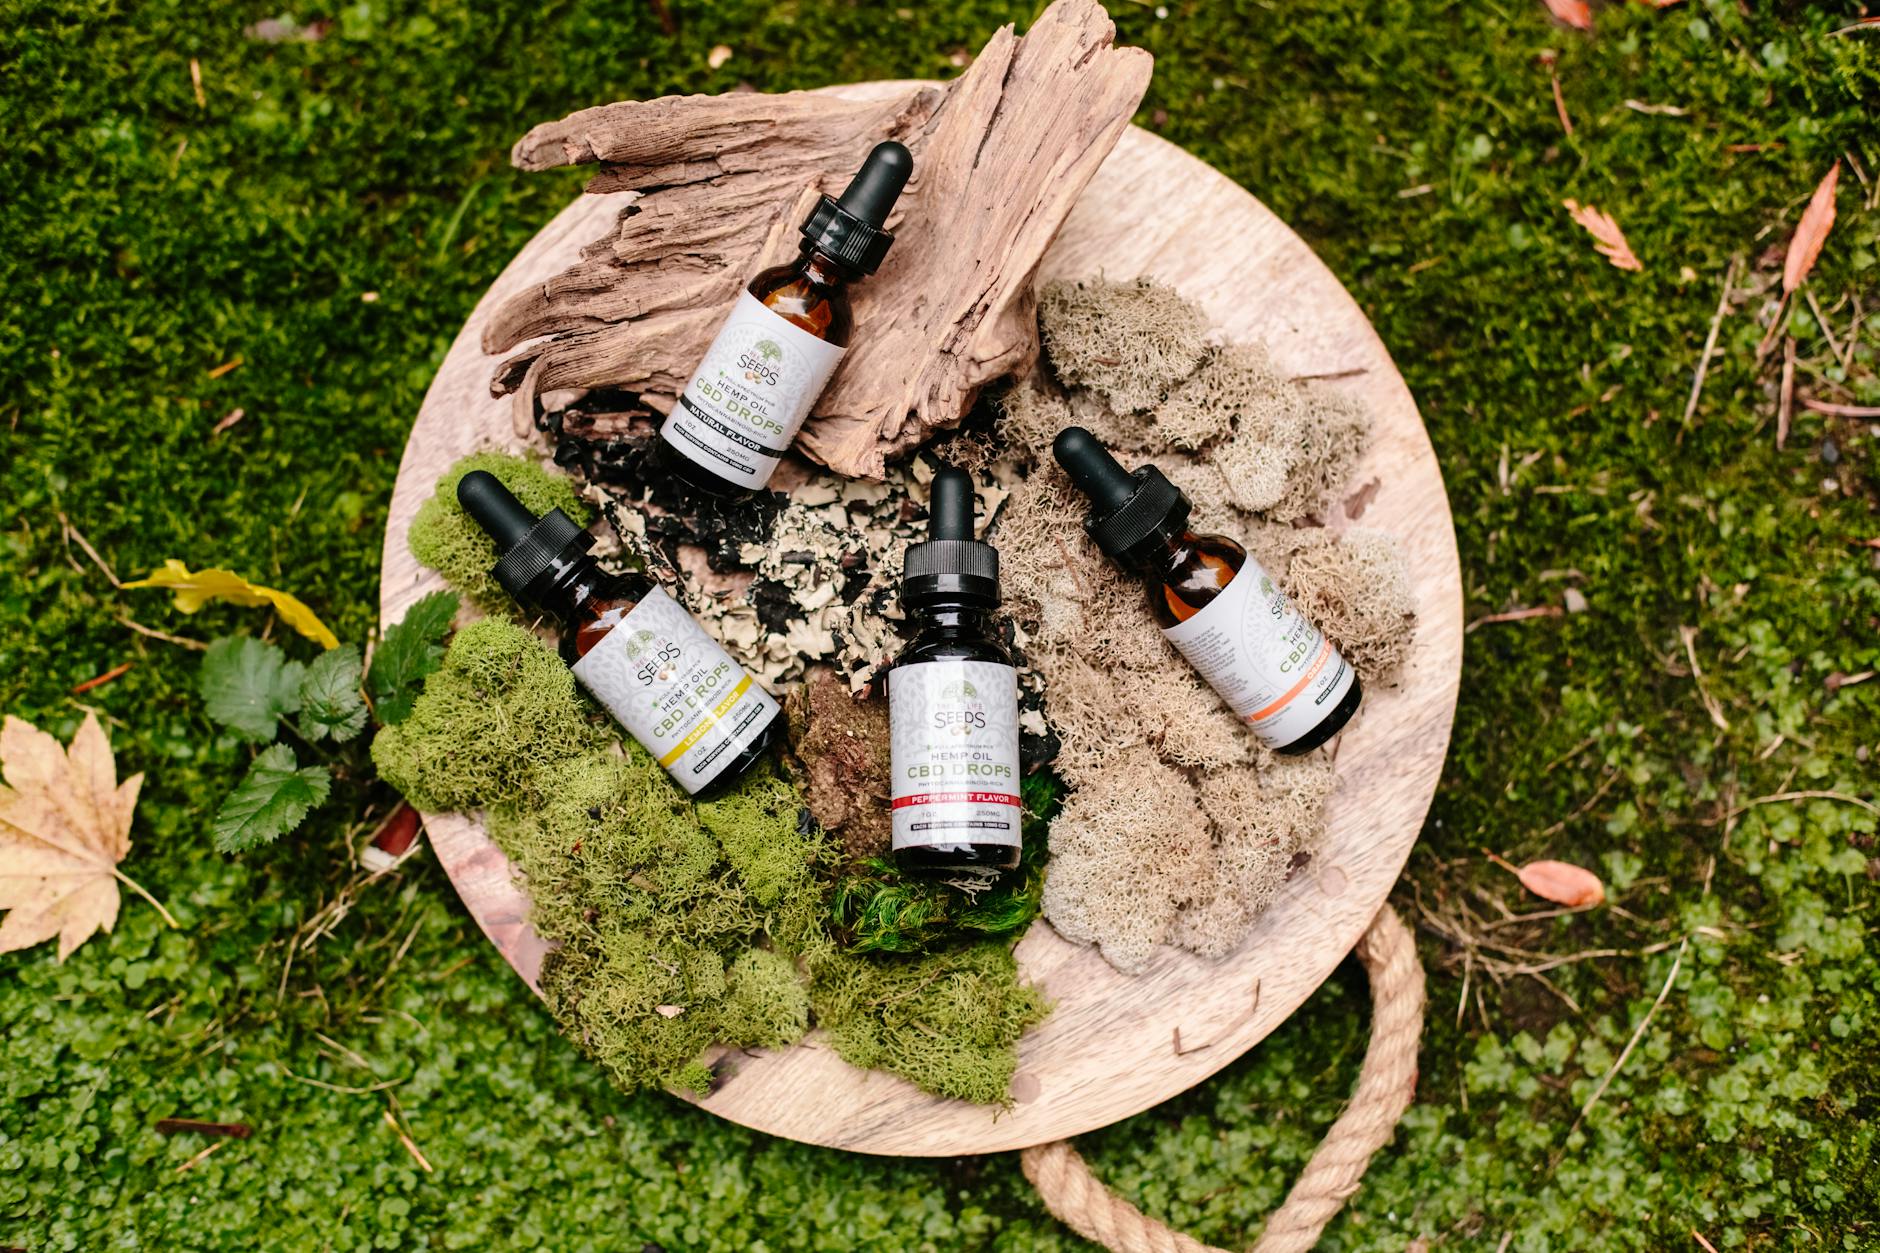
1271	666
676	690
954	753
750	395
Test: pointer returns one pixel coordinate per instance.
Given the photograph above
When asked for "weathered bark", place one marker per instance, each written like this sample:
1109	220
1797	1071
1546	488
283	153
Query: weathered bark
720	184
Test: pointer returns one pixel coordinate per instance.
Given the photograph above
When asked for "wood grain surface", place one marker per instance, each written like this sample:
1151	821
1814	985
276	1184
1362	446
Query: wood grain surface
1114	1044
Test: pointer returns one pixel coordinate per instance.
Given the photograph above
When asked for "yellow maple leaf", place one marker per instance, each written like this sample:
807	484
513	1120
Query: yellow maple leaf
193	591
65	824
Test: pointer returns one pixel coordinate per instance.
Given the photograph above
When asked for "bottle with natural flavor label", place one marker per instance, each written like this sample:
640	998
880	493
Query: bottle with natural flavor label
741	411
673	687
1214	603
953	703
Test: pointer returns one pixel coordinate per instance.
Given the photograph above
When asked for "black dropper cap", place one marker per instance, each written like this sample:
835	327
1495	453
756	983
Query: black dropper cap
849	231
950	567
1125	508
526	545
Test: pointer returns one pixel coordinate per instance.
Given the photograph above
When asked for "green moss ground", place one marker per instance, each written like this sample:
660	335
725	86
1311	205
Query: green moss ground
145	240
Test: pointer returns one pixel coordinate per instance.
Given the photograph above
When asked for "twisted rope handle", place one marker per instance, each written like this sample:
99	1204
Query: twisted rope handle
1386	1084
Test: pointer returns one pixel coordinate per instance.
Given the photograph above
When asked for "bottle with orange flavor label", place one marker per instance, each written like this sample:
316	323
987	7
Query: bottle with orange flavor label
1214	603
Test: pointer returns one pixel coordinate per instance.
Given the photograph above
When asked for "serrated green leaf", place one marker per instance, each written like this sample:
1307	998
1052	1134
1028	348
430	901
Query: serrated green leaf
271	800
409	652
248	685
330	701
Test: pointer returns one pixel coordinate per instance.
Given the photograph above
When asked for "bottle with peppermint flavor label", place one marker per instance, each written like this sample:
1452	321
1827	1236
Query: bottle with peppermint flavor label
636	650
953	704
782	340
1220	609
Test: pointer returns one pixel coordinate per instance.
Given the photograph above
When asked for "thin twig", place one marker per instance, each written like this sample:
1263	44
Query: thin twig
200	1156
1785	402
115	672
411	1145
179	1126
1677	963
1841	411
1516	615
340	1087
1746	806
1699	1237
1710	341
1711	706
74	533
1560	107
345	1053
293	941
1564	998
166	637
1821	320
1612	777
1775	328
1853	337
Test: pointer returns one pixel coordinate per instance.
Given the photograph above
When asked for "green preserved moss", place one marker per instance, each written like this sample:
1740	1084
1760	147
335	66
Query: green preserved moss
501	710
444	538
949	1021
678	926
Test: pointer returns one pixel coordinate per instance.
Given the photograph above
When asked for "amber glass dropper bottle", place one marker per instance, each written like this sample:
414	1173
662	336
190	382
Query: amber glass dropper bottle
782	340
1214	603
673	687
953	703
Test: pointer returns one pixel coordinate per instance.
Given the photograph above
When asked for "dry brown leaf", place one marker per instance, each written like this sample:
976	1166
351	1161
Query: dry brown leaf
1811	232
1608	239
1575	13
65	825
1563	883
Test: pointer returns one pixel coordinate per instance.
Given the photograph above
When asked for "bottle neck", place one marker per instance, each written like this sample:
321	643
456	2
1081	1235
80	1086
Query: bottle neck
574	583
955	619
823	270
1163	551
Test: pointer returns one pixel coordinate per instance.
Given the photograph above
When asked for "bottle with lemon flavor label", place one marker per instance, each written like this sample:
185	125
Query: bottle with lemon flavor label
636	650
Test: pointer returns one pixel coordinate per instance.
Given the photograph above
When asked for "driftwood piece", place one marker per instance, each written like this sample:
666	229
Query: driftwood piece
720	184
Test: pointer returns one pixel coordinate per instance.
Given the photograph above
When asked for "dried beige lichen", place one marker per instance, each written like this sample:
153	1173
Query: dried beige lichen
1127	850
1354	583
1182	827
1128	342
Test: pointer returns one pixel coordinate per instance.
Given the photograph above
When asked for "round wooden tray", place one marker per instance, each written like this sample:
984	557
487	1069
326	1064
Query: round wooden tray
1110	1046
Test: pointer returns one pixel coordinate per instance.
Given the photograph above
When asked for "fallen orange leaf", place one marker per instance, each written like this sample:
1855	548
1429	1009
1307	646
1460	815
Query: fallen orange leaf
1575	13
1811	232
1563	883
1608	239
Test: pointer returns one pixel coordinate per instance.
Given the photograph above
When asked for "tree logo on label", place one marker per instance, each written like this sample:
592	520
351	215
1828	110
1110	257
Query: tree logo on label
957	709
762	362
